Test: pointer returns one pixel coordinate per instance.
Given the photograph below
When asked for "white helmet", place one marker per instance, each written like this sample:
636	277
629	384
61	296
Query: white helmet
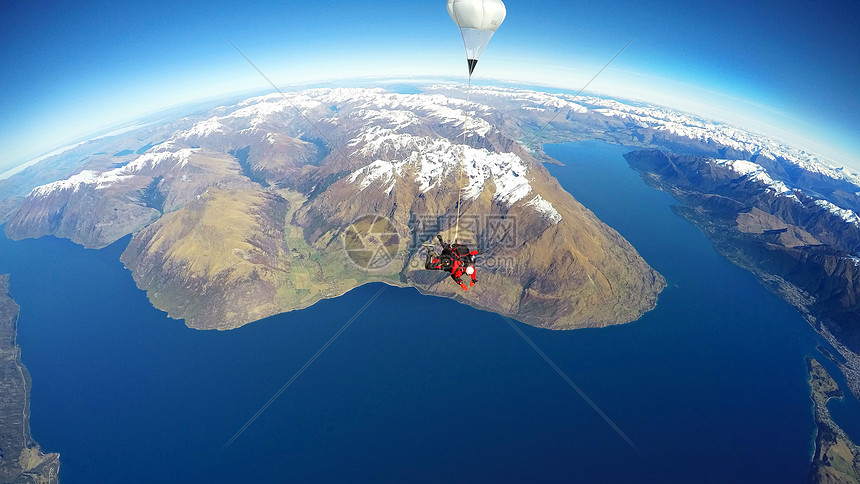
470	270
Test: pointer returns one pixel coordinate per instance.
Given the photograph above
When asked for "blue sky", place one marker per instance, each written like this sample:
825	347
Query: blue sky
783	68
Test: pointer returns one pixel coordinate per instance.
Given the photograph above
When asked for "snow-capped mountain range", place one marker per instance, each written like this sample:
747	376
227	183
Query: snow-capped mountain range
666	120
383	128
383	135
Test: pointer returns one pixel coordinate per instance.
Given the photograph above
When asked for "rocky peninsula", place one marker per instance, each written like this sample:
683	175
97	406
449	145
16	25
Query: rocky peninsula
837	458
247	211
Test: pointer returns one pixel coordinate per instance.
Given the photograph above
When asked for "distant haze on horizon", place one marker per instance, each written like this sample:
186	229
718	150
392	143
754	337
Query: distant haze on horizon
786	70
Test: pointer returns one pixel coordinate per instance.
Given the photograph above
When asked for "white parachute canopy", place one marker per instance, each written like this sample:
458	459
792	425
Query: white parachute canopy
478	21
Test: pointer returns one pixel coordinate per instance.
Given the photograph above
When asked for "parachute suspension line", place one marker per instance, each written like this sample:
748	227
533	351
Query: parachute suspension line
463	156
580	91
328	141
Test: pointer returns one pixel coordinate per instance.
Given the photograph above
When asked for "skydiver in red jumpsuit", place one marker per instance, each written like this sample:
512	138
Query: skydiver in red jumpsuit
456	259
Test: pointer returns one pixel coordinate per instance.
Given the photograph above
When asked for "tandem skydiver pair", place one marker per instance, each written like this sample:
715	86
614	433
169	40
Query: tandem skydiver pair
455	259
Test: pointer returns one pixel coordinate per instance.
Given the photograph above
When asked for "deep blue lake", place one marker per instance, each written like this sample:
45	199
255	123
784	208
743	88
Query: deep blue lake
711	385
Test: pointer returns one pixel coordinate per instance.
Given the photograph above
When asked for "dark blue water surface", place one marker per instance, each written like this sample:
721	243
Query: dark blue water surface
710	386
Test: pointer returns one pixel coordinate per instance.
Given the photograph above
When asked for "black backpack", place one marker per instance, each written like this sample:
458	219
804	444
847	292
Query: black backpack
461	251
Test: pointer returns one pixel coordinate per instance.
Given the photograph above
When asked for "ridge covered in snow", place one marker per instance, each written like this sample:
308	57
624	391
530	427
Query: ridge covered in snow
755	172
669	121
436	161
846	215
108	178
